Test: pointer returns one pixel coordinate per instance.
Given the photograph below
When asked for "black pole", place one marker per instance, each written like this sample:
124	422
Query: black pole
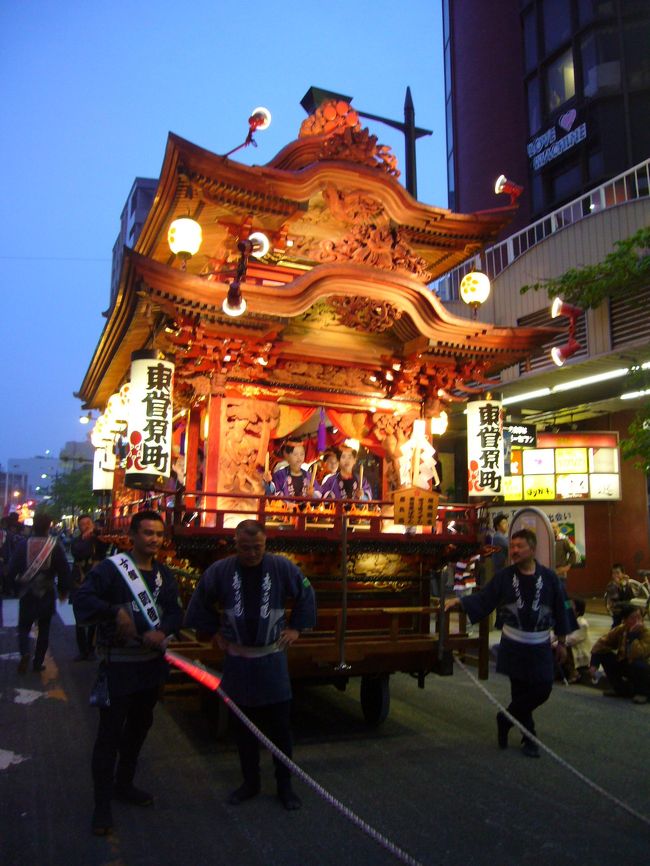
409	145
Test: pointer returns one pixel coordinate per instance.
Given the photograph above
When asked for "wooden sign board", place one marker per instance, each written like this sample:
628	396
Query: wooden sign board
415	506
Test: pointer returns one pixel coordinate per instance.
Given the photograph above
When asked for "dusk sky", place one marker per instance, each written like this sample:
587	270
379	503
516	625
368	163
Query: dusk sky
90	92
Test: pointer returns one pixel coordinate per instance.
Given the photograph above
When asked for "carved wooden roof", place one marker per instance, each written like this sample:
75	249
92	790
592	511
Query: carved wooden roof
339	302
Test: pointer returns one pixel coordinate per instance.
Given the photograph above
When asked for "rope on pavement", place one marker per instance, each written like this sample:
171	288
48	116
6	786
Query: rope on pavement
212	682
643	818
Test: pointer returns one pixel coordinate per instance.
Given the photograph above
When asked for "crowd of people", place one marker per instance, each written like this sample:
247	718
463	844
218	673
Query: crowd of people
127	608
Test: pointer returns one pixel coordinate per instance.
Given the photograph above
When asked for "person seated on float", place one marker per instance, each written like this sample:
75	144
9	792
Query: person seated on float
292	480
329	464
344	484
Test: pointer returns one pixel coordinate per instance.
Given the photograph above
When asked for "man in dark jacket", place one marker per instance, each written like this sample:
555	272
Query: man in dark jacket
530	601
250	590
131	649
39	568
87	550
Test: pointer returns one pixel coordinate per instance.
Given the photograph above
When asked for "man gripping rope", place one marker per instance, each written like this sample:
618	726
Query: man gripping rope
530	601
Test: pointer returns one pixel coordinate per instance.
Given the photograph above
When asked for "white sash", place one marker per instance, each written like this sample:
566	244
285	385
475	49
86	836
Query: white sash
139	589
529	637
36	564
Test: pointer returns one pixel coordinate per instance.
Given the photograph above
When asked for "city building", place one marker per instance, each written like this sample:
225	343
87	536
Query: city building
555	95
134	213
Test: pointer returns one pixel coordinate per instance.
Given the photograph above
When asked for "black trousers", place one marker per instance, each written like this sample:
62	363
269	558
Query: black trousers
28	614
626	678
526	697
123	728
274	720
85	635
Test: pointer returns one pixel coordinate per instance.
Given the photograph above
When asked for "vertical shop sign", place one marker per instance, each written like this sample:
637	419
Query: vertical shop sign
485	448
148	459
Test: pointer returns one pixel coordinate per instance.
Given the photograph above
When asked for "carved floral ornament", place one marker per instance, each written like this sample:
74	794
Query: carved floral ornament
377	247
365	314
346	140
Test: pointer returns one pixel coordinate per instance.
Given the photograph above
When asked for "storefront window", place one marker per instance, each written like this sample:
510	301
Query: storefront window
560	81
601	67
534	108
557	23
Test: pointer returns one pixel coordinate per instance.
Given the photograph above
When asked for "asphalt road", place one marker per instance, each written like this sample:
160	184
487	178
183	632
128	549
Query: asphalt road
431	779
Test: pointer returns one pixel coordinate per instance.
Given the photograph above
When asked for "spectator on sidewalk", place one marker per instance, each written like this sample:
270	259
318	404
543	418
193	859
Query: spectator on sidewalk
578	646
566	553
624	653
618	592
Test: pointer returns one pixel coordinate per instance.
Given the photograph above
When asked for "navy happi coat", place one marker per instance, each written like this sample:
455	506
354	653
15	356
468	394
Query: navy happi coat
219	605
529	603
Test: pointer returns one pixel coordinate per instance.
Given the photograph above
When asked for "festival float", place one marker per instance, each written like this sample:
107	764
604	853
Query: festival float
287	301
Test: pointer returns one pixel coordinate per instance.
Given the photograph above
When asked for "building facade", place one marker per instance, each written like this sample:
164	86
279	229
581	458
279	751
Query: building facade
574	76
554	94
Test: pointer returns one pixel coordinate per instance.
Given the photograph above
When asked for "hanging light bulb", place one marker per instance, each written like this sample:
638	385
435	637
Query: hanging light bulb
184	238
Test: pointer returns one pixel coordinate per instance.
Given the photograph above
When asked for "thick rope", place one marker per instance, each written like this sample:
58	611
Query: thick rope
382	840
643	818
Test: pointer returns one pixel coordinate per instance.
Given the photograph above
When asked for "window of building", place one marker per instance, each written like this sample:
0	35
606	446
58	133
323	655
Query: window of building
534	107
537	193
566	182
639	126
589	10
636	39
560	81
451	184
530	40
449	120
557	23
447	71
601	66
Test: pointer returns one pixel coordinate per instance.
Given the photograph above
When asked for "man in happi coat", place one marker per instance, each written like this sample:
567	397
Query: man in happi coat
132	657
40	570
344	484
241	602
530	602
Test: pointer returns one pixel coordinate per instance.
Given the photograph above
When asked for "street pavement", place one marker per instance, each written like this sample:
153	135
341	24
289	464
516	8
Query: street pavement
431	778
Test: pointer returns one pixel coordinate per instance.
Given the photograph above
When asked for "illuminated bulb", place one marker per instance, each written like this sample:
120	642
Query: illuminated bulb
184	237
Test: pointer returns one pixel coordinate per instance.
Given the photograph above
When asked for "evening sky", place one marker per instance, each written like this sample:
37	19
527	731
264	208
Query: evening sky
90	92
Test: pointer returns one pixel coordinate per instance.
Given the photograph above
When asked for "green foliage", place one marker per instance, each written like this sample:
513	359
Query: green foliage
622	273
72	493
637	443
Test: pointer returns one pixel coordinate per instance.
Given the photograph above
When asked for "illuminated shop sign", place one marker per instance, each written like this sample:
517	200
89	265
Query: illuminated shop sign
485	448
564	466
149	420
520	435
556	140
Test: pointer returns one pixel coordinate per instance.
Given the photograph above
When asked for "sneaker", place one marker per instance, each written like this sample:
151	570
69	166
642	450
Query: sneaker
289	799
243	793
133	795
640	699
530	749
102	820
23	664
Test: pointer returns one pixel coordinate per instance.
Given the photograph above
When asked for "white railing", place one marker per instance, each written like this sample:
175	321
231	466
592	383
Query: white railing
629	186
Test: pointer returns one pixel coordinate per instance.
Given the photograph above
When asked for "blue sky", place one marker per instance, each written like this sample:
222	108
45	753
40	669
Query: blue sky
90	92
